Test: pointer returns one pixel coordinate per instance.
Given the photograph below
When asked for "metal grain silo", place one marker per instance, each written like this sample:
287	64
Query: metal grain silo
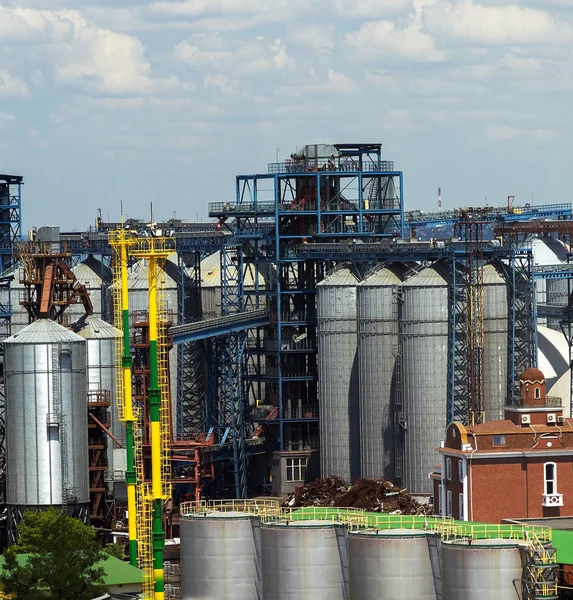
46	418
390	565
96	277
377	309
558	294
424	354
338	375
495	312
100	339
301	561
219	558
483	570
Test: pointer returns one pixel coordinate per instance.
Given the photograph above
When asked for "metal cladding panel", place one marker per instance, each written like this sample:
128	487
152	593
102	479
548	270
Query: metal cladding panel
557	293
338	376
301	563
218	559
424	346
486	573
389	567
495	311
34	451
101	374
377	308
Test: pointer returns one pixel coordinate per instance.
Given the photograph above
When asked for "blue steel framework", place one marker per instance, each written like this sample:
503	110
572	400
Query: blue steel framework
353	196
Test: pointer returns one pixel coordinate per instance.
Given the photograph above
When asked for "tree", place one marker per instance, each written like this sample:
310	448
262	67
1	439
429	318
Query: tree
62	554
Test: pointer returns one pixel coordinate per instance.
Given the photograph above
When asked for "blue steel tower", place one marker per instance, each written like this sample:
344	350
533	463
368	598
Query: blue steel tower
323	195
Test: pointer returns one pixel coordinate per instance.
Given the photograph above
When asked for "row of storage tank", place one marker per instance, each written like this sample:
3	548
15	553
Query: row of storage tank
383	364
51	373
240	557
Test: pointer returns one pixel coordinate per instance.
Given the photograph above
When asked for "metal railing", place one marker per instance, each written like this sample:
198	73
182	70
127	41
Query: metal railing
330	165
255	508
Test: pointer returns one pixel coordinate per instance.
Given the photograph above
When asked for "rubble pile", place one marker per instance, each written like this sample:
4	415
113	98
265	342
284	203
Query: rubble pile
373	495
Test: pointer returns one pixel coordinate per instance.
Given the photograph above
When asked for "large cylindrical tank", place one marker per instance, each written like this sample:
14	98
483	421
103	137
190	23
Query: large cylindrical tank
424	349
377	308
46	417
219	557
483	570
102	368
390	565
338	376
495	312
301	561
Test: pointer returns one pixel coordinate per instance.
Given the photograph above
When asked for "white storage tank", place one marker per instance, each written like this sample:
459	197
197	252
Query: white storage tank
377	308
219	558
424	346
488	569
391	565
46	418
102	369
96	277
338	376
301	561
495	313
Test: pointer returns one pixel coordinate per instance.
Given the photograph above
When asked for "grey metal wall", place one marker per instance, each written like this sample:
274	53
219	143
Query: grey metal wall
557	293
219	558
377	309
495	312
101	376
301	561
390	565
486	570
424	347
338	376
36	443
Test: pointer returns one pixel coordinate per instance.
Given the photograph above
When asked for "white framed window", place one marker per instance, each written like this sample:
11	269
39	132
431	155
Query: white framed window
550	478
449	469
460	470
461	507
439	499
295	469
498	440
449	503
537	393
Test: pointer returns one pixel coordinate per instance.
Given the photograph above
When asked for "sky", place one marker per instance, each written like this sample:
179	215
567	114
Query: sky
165	102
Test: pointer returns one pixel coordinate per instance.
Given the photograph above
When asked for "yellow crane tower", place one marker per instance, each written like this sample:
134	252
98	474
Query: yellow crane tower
148	508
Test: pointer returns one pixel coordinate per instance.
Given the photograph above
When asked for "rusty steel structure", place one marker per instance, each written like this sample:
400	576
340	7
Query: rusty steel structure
50	285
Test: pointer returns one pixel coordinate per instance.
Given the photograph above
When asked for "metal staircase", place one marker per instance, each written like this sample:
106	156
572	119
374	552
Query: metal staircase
540	571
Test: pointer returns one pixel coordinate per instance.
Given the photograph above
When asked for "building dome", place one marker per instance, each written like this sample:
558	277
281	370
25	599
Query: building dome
532	375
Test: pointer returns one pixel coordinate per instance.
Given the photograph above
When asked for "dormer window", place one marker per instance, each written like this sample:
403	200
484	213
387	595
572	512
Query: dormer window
498	440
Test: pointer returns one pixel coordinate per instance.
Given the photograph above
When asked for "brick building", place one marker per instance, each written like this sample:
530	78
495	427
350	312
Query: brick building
518	467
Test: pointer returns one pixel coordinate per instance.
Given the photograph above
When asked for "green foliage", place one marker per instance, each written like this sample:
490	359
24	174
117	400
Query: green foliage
62	554
117	550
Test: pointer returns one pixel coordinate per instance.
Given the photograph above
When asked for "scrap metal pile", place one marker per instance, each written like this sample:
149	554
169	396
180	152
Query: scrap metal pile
374	495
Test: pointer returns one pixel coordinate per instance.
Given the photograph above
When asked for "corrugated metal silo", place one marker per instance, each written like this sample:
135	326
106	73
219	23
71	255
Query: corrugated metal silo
424	350
557	293
96	277
46	417
219	557
390	565
338	375
484	570
495	312
377	310
100	339
301	560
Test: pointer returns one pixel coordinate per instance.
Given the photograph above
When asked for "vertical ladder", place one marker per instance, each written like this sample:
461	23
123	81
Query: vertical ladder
57	421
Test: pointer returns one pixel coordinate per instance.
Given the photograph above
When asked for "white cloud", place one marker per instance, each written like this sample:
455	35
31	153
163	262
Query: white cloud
19	26
226	86
501	132
12	86
192	55
470	23
384	37
370	9
318	38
